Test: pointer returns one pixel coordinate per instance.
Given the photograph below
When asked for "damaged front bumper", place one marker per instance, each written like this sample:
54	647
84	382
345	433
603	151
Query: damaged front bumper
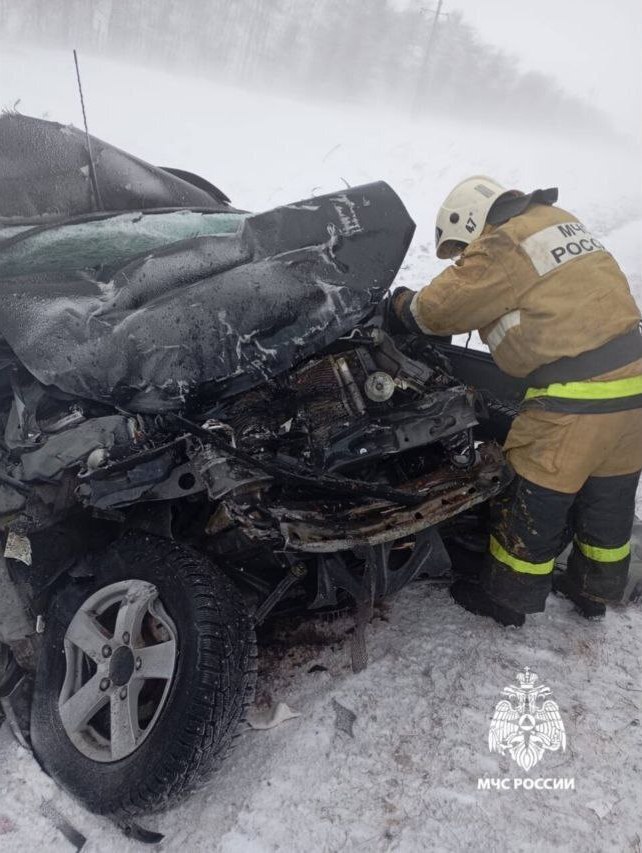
447	493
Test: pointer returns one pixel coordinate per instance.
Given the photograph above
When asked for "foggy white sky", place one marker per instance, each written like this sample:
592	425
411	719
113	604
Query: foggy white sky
593	47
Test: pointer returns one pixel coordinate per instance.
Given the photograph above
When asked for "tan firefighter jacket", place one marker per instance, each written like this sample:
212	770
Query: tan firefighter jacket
540	287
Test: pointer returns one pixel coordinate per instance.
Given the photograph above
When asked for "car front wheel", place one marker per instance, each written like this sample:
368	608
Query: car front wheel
144	677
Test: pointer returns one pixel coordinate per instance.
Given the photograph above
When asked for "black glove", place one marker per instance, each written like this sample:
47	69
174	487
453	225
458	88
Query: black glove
400	318
397	318
393	313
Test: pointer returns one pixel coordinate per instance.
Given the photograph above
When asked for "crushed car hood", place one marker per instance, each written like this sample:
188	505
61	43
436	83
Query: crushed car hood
216	313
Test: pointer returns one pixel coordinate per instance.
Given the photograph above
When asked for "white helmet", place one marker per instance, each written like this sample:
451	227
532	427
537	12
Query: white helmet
462	216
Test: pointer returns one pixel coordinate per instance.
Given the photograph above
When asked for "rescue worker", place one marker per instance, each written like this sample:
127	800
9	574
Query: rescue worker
553	306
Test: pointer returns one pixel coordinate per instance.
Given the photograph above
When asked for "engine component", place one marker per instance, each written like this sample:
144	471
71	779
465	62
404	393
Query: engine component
295	475
337	409
350	385
323	404
461	449
223	475
379	387
437	416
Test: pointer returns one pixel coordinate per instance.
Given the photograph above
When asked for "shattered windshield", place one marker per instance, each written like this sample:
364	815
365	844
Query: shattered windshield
104	242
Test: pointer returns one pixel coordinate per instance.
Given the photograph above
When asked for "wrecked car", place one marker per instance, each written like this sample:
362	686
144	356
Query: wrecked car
205	423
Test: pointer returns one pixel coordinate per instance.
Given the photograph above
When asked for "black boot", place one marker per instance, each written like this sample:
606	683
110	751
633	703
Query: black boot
587	607
473	598
466	563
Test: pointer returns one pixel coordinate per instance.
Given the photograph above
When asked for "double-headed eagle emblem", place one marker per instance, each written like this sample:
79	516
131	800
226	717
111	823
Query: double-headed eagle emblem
527	723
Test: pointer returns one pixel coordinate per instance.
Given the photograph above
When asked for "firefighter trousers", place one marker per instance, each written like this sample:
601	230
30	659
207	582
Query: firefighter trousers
531	525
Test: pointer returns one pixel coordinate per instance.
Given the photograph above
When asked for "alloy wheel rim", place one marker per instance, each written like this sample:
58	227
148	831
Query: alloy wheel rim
120	651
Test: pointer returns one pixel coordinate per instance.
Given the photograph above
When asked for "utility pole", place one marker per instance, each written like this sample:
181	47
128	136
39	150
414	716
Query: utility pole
425	66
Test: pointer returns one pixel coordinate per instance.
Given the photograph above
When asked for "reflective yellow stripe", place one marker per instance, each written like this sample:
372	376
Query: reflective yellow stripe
590	390
501	554
604	555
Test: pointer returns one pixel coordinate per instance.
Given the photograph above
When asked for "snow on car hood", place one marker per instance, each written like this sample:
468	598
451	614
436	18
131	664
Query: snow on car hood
46	175
214	313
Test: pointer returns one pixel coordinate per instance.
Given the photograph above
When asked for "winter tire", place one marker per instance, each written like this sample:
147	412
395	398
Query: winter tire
144	677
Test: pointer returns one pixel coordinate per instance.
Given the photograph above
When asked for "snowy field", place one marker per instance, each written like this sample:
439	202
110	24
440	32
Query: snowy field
407	779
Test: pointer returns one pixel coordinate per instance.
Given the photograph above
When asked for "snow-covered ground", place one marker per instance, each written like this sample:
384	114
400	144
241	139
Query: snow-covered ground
407	780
